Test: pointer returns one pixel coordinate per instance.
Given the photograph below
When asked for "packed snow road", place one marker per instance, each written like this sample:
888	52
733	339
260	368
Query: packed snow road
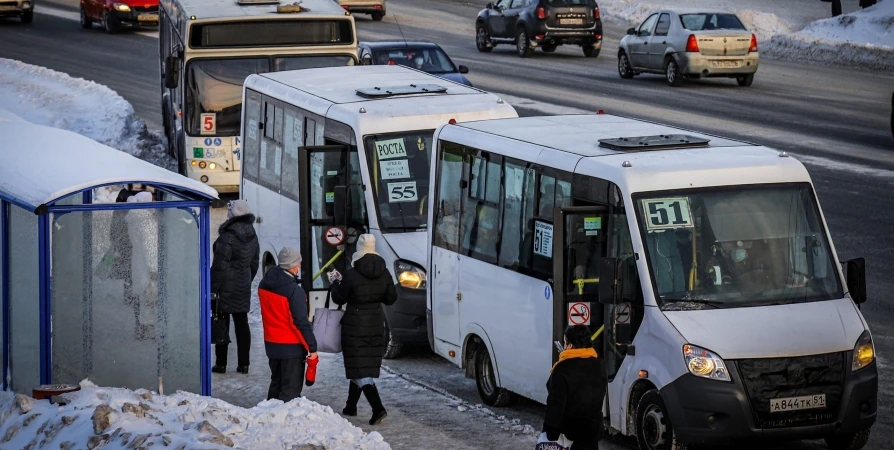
834	118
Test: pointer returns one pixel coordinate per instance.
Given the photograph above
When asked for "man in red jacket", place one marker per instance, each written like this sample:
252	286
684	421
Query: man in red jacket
288	335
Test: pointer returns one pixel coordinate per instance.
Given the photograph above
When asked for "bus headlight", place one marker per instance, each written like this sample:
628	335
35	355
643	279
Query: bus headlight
121	7
409	275
704	363
864	352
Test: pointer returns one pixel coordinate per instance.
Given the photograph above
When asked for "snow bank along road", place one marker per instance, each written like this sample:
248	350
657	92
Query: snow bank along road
837	117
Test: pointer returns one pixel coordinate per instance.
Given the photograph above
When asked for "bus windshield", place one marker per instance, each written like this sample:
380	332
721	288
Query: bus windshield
215	86
399	164
747	246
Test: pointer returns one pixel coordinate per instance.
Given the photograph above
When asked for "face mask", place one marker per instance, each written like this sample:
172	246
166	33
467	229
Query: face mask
739	255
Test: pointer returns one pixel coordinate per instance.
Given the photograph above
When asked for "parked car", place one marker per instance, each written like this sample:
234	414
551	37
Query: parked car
116	15
540	23
424	56
23	9
375	8
690	44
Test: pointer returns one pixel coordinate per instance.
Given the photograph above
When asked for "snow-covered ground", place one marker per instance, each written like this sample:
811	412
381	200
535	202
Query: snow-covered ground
120	418
794	30
47	97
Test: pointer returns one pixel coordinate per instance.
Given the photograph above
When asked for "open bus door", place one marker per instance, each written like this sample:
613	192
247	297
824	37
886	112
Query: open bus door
328	227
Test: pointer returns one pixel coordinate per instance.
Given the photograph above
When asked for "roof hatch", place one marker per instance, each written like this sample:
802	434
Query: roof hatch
659	142
411	89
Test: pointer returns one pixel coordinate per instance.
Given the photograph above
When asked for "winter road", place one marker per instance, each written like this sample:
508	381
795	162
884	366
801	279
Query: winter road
834	119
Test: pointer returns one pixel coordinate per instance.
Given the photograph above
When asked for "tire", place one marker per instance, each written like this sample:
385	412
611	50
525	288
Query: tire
86	23
654	430
181	156
590	52
523	44
745	80
111	24
393	349
672	73
624	69
378	16
548	48
485	379
482	40
854	441
27	17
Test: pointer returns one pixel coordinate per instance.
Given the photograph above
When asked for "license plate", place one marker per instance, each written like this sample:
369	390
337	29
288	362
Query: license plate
725	63
571	21
797	403
148	18
7	8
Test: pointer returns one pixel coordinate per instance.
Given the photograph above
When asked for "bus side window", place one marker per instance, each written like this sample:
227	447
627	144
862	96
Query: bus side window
516	242
251	146
447	219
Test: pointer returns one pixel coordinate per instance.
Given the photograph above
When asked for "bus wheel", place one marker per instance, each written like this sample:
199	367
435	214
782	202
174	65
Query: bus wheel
392	347
486	379
653	426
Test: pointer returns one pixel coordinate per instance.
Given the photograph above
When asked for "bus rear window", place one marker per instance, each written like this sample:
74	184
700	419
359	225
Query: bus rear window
271	33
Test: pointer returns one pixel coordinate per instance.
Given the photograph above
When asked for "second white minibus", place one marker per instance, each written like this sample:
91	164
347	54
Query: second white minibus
332	153
703	266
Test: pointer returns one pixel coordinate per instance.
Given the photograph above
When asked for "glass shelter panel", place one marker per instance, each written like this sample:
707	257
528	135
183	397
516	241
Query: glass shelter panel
126	298
24	301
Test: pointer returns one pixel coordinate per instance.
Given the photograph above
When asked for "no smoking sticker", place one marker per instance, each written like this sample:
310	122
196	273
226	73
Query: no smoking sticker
335	236
579	313
622	313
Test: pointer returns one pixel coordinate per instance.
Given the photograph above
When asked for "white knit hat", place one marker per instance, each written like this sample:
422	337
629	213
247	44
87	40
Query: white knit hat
366	245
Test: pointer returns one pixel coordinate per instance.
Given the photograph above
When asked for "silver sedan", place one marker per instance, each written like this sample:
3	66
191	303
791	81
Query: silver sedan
690	44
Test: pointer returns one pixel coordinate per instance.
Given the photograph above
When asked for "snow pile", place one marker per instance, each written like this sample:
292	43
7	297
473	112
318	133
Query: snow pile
51	98
119	418
864	38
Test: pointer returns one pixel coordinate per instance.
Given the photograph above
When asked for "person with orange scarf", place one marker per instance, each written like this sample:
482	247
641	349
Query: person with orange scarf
576	389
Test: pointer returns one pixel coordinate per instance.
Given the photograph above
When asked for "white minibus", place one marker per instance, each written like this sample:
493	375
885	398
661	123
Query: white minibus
332	153
703	266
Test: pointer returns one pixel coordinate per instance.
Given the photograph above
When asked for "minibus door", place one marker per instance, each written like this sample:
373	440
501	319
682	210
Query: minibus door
328	223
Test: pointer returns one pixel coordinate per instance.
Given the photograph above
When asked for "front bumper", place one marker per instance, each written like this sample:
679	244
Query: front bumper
8	8
223	181
137	18
544	35
712	412
698	65
406	318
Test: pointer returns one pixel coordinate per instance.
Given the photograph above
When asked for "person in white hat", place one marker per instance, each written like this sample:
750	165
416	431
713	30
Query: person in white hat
364	289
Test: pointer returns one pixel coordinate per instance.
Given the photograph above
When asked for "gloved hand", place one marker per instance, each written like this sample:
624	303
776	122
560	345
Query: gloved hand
310	375
334	276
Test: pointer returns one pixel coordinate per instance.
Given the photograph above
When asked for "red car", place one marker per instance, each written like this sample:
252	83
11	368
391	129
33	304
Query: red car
115	15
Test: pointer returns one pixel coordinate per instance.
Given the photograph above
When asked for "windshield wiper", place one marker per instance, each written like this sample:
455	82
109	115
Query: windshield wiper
701	301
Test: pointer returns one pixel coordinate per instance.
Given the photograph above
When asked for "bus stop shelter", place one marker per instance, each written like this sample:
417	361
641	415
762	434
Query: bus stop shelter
93	287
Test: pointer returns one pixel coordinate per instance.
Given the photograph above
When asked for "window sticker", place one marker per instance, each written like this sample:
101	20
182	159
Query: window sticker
252	129
402	192
391	149
592	225
667	213
543	239
394	169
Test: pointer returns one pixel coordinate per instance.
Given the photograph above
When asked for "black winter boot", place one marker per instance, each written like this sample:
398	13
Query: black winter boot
372	396
353	396
219	369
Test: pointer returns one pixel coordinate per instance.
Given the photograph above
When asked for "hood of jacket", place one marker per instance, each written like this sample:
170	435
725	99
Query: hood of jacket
241	227
277	278
371	266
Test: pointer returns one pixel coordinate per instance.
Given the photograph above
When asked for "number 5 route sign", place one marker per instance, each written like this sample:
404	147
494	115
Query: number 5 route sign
209	123
335	236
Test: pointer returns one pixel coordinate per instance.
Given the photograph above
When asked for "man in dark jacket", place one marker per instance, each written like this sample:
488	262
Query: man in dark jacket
576	392
364	288
288	335
236	259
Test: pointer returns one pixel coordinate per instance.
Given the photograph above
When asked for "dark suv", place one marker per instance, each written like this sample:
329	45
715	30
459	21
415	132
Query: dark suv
540	23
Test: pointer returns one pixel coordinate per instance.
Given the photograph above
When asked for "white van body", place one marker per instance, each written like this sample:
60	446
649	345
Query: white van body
319	107
499	317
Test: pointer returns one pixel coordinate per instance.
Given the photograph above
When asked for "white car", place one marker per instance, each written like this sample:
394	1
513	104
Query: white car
690	44
375	8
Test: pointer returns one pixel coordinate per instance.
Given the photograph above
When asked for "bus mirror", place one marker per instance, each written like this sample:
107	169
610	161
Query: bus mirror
172	72
855	272
610	282
342	206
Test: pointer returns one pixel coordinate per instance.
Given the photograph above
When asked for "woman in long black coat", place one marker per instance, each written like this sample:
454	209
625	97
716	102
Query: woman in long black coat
364	289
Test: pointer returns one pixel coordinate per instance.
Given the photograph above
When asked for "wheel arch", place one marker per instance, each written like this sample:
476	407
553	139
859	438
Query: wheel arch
476	338
636	392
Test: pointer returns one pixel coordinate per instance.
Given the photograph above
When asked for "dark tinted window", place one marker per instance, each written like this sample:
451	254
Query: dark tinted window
273	33
705	21
664	24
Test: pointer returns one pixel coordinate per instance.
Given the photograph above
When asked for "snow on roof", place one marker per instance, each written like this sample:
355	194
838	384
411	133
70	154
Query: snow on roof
40	164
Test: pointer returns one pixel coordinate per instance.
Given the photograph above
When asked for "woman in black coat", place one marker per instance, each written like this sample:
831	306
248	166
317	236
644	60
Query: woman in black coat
236	260
364	289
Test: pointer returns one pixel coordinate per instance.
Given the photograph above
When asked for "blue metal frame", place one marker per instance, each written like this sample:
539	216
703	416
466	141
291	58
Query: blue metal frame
4	287
17	202
169	188
43	249
114	206
205	327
